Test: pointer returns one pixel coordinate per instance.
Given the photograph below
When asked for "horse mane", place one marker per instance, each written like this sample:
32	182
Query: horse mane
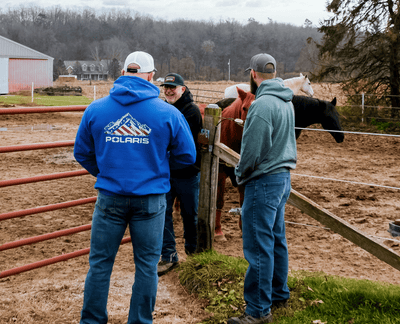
223	103
295	83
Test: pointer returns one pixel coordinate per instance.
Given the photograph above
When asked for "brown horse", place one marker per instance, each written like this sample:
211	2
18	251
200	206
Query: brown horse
231	135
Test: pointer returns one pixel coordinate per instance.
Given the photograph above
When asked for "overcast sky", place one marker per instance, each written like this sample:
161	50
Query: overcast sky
293	12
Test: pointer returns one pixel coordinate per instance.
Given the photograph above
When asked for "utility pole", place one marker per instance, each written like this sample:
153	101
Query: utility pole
229	70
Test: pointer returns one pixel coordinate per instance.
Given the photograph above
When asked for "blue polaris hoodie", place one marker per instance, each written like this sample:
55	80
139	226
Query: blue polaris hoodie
129	139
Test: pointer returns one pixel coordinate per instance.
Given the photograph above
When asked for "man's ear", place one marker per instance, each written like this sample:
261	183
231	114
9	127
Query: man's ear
122	72
150	76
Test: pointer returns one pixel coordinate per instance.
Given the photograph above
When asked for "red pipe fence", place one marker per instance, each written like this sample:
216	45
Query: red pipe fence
41	209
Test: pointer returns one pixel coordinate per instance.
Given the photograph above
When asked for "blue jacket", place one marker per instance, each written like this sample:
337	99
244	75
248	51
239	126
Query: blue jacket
269	141
129	139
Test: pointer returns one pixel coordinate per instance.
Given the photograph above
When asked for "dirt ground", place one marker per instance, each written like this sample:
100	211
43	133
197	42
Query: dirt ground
53	294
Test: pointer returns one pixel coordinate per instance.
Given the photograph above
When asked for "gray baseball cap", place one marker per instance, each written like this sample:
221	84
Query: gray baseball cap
258	63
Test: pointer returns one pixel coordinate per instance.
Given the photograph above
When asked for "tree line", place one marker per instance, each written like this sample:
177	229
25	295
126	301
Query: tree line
358	47
198	50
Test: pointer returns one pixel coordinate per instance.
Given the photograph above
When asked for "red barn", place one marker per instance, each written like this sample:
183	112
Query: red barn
21	67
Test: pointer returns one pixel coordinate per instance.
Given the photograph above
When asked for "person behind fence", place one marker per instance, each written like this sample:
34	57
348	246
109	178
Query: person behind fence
185	183
267	155
128	140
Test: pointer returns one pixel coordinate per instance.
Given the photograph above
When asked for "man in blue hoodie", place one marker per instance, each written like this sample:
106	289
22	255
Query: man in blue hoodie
267	155
129	140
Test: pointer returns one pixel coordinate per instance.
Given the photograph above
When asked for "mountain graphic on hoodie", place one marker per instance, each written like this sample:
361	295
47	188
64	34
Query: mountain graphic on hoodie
127	126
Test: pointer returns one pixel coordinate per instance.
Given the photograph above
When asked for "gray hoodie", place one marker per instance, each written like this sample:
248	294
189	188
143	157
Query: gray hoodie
268	142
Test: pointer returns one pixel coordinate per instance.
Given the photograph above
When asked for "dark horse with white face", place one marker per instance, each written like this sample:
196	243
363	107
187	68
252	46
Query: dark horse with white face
308	111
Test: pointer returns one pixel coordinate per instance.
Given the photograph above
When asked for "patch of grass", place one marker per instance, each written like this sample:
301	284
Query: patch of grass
42	100
217	278
387	127
314	296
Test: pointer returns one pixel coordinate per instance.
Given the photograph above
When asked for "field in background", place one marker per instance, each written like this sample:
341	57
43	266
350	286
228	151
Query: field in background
203	92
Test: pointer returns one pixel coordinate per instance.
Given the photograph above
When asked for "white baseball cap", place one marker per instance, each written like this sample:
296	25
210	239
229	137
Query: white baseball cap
139	62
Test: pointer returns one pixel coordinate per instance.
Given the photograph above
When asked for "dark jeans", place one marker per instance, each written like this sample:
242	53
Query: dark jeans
264	242
112	214
187	190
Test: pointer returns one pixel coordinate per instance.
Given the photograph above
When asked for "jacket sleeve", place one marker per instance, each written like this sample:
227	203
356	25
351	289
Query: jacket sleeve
84	149
195	122
182	148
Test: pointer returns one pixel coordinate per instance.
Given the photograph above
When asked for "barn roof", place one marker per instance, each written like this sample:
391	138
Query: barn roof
11	49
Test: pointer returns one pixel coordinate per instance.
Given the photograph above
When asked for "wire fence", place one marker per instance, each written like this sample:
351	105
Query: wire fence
371	108
358	107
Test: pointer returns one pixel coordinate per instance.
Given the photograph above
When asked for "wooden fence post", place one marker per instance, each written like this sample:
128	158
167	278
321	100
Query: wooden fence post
208	180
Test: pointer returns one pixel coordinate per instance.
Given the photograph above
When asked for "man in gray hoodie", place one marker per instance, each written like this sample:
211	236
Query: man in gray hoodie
267	155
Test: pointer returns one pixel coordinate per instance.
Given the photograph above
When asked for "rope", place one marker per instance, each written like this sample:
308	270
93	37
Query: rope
352	182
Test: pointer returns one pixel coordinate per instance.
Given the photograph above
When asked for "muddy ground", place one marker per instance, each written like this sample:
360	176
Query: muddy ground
53	294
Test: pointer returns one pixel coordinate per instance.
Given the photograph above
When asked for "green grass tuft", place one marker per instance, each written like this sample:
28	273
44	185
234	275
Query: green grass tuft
314	296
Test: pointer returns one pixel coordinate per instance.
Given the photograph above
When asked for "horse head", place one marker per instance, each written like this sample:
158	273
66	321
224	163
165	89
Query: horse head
306	85
231	133
246	99
331	119
300	83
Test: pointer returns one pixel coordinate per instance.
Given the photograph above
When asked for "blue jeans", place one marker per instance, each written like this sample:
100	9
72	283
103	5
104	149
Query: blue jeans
112	214
264	242
187	190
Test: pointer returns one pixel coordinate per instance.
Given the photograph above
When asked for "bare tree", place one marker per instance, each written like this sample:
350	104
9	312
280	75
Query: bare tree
114	69
361	46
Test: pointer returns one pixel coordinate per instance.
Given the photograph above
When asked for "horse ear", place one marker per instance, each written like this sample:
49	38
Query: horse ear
333	102
301	74
241	93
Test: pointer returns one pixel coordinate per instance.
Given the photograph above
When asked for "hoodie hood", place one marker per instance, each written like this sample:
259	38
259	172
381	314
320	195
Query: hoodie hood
275	87
130	89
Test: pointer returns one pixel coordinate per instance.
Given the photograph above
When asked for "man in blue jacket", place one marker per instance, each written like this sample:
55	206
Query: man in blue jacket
267	155
128	141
